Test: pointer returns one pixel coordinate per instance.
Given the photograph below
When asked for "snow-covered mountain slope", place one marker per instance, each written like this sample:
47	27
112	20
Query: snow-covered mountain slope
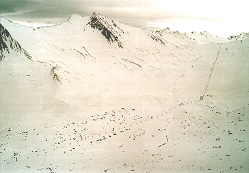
141	100
228	81
82	51
206	38
7	43
24	83
240	37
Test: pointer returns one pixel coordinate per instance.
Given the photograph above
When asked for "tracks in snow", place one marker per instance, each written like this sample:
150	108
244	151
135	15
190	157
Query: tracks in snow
210	74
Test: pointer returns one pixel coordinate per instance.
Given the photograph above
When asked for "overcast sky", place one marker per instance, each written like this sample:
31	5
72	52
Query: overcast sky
220	17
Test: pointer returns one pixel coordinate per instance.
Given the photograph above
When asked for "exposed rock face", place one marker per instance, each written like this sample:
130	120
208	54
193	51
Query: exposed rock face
242	36
7	43
54	74
158	37
4	34
110	31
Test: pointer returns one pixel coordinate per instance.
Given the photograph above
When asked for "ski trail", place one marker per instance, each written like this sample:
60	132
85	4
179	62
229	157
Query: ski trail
210	74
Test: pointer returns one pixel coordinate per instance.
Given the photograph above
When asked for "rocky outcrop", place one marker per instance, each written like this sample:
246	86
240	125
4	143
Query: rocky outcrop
109	30
7	43
4	34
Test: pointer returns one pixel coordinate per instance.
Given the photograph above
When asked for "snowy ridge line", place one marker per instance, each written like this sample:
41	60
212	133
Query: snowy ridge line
109	26
239	37
159	38
98	22
7	42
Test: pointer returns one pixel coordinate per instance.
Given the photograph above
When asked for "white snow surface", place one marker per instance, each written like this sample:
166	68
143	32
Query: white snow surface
73	101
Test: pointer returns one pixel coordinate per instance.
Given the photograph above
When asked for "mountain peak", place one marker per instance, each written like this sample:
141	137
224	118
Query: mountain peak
108	28
75	17
95	14
7	43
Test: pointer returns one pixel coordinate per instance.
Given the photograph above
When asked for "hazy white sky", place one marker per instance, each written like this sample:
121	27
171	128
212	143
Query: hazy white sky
220	17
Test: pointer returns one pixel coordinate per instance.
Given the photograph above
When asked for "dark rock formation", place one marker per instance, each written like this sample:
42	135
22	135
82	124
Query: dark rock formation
108	30
7	43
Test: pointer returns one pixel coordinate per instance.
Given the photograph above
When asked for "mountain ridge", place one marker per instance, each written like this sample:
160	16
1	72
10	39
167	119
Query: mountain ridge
148	54
7	42
77	16
107	29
